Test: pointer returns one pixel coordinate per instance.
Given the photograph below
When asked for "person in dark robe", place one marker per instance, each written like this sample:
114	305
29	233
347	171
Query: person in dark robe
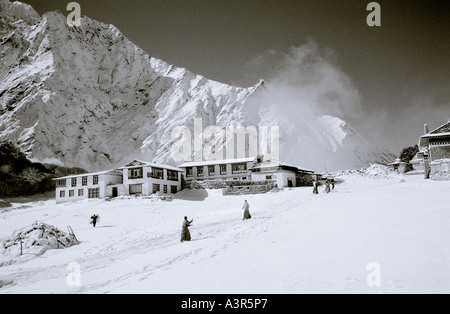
94	220
246	208
185	233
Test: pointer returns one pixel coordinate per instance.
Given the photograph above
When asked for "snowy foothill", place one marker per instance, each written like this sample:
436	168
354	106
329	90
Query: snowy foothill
373	234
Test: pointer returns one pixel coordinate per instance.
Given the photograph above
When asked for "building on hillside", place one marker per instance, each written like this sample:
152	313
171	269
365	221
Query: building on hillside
146	178
283	174
229	169
88	185
435	147
136	178
247	169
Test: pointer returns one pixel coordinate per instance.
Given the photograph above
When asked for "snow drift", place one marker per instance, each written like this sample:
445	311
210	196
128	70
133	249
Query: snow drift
37	239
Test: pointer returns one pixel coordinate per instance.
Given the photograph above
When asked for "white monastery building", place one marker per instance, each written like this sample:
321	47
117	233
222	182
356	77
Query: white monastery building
136	178
229	169
142	178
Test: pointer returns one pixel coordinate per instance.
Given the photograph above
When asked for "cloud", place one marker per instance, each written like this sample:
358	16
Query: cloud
303	85
307	80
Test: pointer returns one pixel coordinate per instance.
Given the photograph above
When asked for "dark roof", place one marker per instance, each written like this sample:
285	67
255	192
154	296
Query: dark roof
275	166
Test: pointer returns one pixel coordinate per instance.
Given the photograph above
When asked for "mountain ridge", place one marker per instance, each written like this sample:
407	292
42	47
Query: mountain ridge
88	97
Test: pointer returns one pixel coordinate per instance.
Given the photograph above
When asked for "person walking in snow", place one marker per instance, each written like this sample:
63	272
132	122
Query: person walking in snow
316	187
327	186
94	219
246	208
185	233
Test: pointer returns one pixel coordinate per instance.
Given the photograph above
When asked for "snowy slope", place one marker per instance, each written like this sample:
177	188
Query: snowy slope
88	97
323	143
296	242
339	138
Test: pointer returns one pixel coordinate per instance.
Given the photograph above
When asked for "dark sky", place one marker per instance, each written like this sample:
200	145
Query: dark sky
401	69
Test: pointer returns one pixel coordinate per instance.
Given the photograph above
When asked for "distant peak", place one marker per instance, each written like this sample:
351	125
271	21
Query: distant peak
261	84
20	10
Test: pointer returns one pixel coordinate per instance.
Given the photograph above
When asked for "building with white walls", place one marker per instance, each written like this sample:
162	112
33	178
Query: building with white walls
228	169
136	178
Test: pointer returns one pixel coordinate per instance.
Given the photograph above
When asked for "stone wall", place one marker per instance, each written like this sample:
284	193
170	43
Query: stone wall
439	152
248	189
440	169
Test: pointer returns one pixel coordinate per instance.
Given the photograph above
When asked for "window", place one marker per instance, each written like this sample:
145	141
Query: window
135	173
199	171
62	194
173	189
80	192
189	172
84	181
74	182
61	183
95	180
94	193
71	193
239	168
211	170
135	189
156	173
164	188
223	170
172	175
156	188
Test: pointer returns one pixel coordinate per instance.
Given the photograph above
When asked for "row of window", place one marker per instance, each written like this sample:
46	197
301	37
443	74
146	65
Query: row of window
92	193
439	143
235	169
156	173
73	182
136	173
136	189
235	179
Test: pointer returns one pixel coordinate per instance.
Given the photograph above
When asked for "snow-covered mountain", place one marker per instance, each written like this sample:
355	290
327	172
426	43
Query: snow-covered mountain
88	97
323	142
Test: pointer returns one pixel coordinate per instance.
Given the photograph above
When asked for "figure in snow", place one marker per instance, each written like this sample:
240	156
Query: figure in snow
327	186
185	234
246	207
94	220
316	187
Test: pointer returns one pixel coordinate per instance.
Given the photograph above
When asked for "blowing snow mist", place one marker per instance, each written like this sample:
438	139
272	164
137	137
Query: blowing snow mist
310	97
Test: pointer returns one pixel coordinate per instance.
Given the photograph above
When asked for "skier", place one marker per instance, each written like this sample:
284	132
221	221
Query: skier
94	219
246	207
185	234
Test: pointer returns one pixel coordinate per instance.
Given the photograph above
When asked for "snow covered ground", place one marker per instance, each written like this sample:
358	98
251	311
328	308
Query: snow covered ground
296	242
